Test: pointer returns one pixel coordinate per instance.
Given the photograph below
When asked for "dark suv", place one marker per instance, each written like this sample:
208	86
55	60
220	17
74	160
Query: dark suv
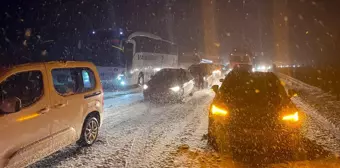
252	111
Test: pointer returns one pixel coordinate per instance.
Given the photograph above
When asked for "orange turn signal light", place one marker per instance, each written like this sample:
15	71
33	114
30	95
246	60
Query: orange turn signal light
218	111
291	117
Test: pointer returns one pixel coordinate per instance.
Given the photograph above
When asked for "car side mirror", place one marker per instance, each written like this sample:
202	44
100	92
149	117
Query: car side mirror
10	105
215	88
292	93
221	80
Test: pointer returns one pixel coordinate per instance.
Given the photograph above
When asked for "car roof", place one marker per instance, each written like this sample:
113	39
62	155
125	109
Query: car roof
58	63
244	73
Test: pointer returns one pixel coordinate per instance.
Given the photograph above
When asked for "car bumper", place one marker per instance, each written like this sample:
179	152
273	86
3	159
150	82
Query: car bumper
152	95
282	136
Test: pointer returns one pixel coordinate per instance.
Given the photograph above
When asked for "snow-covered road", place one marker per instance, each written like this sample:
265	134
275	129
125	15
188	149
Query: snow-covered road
139	134
136	133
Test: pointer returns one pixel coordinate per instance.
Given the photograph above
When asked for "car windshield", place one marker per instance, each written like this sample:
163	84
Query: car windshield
170	83
166	76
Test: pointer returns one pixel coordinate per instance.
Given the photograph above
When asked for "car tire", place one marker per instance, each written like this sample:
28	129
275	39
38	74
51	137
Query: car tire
218	138
146	97
141	80
211	138
296	145
89	131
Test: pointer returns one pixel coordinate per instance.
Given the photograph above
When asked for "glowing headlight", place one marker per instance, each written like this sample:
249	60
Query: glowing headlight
145	87
218	111
175	89
157	69
122	83
292	117
216	71
119	77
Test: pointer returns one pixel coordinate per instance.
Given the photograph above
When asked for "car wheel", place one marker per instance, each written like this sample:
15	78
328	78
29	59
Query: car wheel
146	97
211	133
218	138
296	145
141	80
89	132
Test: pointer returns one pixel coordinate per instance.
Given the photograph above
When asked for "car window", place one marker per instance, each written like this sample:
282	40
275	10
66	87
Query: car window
65	81
27	86
88	79
68	81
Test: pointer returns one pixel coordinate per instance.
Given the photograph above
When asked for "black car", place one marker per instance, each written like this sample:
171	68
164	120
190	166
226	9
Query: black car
168	85
252	111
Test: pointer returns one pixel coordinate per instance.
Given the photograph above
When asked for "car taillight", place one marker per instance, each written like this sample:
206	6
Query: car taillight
218	110
291	117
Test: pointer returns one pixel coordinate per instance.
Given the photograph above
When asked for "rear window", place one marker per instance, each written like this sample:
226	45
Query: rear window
69	81
257	88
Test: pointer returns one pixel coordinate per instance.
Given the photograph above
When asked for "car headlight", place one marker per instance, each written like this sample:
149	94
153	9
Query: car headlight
218	111
119	77
145	87
175	89
291	117
122	83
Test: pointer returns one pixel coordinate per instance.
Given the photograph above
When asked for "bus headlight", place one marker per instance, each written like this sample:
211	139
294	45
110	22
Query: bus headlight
122	83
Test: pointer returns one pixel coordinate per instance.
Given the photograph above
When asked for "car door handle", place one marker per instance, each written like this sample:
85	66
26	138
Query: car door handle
44	110
61	105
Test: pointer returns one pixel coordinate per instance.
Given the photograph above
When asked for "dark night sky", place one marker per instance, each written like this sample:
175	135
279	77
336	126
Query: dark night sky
285	30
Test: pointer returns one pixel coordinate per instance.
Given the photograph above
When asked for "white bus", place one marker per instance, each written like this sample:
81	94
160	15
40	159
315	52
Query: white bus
104	49
124	62
145	54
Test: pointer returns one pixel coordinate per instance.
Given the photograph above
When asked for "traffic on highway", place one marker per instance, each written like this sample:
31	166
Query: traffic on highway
147	83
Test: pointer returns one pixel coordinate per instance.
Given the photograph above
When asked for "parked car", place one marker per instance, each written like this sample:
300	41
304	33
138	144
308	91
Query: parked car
168	85
45	107
253	111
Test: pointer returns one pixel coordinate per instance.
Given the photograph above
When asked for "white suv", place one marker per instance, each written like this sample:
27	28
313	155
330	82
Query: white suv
45	107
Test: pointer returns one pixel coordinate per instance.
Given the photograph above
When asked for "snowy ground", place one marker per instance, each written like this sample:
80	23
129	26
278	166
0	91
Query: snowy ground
136	133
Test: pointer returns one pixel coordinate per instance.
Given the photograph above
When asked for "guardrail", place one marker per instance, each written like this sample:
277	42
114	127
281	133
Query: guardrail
294	81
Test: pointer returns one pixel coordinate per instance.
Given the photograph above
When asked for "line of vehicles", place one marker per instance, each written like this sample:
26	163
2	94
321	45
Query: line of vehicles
47	106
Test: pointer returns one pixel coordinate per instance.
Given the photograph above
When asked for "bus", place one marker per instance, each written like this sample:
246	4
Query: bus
130	61
145	54
105	49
